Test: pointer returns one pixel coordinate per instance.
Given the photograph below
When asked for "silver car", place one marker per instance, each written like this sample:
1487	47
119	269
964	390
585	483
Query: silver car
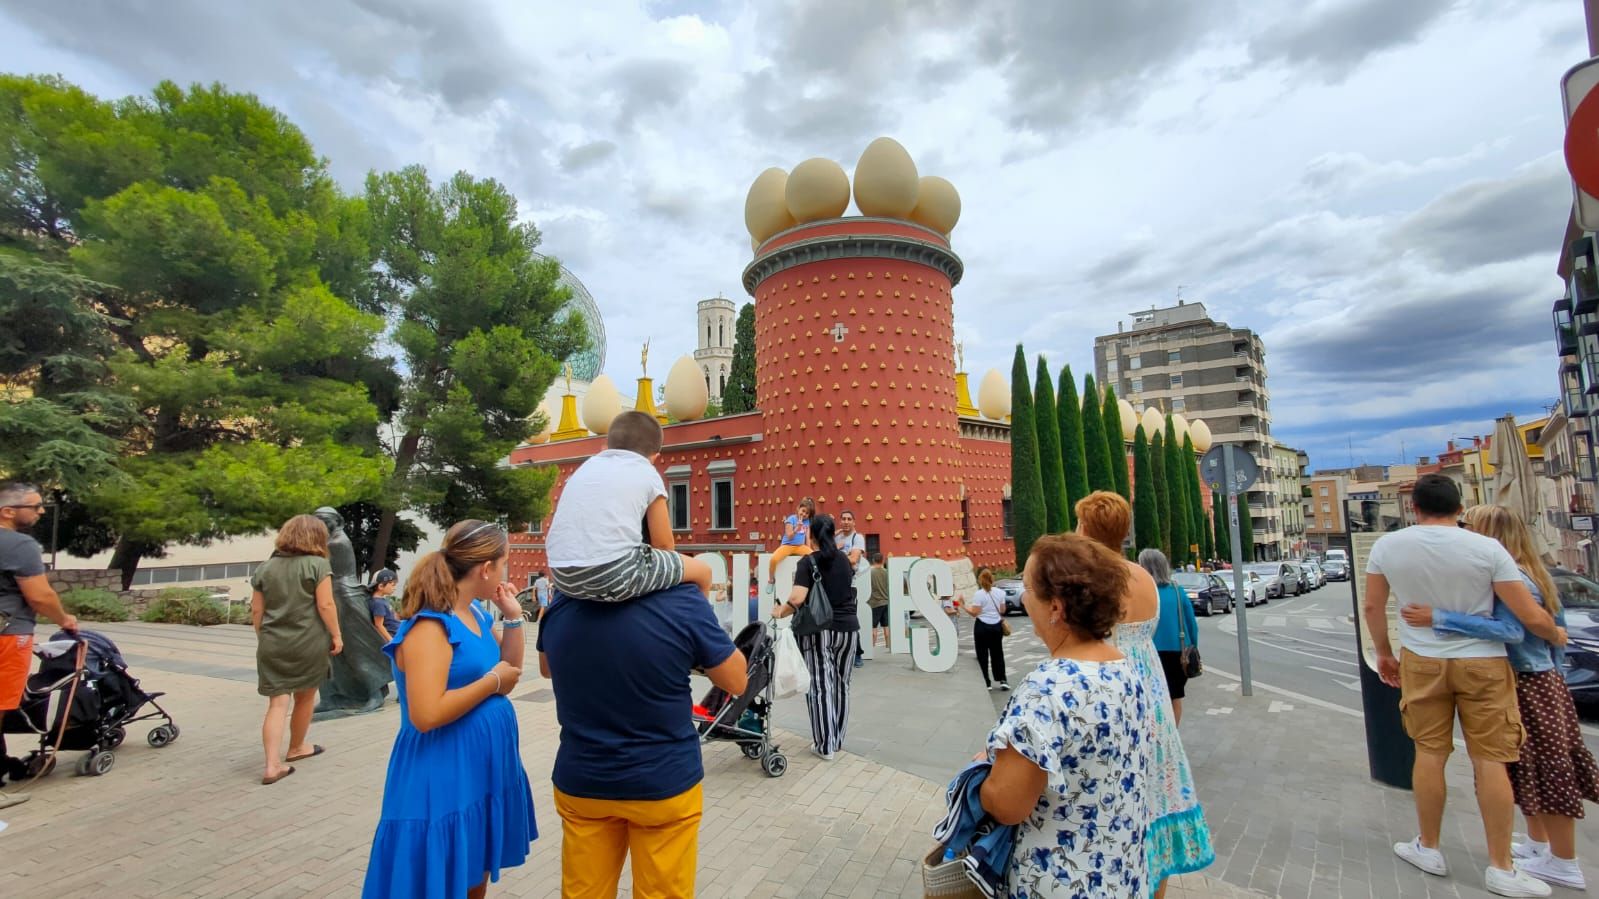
1271	578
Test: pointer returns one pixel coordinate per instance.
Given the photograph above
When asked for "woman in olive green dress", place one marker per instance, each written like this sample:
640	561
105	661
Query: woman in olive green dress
297	630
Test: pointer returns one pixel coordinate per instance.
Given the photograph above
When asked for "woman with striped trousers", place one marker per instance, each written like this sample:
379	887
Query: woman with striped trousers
830	655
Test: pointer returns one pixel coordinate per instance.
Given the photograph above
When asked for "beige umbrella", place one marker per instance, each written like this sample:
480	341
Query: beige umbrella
1514	485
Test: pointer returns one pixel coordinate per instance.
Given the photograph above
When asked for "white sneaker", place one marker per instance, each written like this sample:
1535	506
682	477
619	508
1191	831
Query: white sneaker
1523	846
1004	687
7	800
1558	871
1429	860
824	756
1514	883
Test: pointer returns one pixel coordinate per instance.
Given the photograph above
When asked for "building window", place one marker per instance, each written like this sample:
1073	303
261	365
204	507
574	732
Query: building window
1137	385
721	335
707	333
1325	508
966	519
1176	381
1135	362
722	504
677	501
1178	404
1324	490
536	526
1173	357
1004	508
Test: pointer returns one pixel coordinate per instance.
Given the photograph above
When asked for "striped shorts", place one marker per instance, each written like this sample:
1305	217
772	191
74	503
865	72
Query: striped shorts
644	570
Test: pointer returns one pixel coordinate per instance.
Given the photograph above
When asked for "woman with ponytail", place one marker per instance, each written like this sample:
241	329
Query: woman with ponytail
456	805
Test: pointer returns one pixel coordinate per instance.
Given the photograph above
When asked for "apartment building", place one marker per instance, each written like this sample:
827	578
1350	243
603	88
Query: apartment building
1325	527
1179	359
1289	472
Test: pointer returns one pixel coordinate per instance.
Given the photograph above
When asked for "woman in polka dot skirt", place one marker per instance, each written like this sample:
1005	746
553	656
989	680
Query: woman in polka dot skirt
1556	772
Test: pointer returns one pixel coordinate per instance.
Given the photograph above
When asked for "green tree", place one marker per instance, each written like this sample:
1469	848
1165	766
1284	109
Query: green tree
1200	528
229	276
482	329
1057	511
1157	460
1146	512
1112	414
361	521
1096	449
1069	420
1028	518
1246	528
1177	490
1218	517
739	394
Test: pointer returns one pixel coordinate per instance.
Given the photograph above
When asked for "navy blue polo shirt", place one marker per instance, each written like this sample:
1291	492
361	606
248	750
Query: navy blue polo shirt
620	671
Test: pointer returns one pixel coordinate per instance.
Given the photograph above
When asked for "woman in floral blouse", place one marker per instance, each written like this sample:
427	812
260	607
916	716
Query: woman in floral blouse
1070	752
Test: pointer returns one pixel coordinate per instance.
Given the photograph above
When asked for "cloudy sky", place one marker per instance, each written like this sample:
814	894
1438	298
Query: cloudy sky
1375	186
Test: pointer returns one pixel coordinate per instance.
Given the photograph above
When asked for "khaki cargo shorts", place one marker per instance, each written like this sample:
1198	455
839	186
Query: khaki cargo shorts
1483	691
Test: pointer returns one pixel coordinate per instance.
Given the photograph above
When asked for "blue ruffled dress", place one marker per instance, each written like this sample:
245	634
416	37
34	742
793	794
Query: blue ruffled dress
456	804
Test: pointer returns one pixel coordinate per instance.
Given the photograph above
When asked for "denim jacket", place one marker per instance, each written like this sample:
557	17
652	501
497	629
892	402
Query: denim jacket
1528	652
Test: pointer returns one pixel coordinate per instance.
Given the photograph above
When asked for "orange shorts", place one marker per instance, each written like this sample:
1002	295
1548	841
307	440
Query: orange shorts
16	660
1482	691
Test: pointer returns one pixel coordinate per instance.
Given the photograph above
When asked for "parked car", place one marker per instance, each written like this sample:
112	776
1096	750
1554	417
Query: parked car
1318	578
1337	569
1011	587
1205	591
1297	576
1579	596
1271	578
1254	588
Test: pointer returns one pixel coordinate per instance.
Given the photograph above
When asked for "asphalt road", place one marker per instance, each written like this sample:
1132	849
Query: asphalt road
1299	645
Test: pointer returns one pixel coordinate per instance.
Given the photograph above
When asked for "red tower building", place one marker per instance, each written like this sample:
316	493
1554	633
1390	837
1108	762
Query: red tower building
855	379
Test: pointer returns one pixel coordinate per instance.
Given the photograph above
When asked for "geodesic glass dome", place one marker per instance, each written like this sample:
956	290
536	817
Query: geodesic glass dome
586	365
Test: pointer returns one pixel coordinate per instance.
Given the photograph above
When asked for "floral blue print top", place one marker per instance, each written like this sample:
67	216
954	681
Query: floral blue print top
1083	724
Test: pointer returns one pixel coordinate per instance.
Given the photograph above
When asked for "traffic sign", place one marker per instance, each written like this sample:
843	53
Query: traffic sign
1213	468
1582	139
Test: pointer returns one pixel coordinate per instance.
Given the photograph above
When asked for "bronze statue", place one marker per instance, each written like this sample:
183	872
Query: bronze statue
359	679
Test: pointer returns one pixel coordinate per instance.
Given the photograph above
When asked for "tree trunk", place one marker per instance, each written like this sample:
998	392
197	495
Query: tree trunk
402	467
125	558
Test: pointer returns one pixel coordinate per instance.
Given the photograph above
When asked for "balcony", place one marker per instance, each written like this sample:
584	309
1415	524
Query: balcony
1565	329
1584	278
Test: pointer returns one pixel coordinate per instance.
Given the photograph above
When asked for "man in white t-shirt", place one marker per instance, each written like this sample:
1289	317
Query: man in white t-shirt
611	535
852	544
1437	563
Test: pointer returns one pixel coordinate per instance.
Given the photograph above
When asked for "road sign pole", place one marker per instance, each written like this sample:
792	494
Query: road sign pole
1240	598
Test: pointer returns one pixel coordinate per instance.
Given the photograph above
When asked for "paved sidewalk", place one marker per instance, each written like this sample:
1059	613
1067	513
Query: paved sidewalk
191	820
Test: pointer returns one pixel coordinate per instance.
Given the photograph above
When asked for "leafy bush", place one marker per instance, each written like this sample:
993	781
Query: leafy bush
185	605
95	605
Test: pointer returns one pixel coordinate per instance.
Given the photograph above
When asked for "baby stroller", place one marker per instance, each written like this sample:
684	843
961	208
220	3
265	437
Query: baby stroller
85	679
746	719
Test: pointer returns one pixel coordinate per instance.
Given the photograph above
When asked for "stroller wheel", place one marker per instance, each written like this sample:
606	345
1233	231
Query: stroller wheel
164	735
39	764
96	763
114	737
751	751
775	764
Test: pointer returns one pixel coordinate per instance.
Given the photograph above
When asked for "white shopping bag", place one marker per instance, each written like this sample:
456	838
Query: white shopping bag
790	676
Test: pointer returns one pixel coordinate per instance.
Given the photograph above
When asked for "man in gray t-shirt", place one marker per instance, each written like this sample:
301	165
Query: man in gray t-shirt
24	594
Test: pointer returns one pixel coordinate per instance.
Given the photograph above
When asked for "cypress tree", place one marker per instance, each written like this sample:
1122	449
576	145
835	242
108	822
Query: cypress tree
1246	529
1218	517
1069	418
1112	416
1096	450
1157	459
1203	535
1177	486
738	395
1146	523
1057	511
1026	479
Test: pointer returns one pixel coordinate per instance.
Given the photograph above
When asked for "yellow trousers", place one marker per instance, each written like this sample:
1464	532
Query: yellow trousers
781	553
597	835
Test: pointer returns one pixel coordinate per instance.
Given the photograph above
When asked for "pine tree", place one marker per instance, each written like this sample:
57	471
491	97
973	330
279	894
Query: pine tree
1069	419
1157	459
1028	518
1177	487
1201	531
1096	449
738	395
1118	443
1146	521
1057	511
1218	518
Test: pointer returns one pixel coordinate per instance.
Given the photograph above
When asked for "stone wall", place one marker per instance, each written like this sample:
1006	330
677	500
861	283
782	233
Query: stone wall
101	579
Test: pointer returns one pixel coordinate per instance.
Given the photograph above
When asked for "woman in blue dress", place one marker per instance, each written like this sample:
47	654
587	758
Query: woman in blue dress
456	805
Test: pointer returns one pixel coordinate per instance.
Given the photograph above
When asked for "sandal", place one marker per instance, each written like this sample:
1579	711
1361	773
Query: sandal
269	781
315	750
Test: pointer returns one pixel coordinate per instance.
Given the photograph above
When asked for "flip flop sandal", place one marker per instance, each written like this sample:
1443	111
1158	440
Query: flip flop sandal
315	750
269	781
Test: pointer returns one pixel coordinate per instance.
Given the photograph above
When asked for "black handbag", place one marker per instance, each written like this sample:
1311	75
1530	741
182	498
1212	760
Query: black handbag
1192	666
817	613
